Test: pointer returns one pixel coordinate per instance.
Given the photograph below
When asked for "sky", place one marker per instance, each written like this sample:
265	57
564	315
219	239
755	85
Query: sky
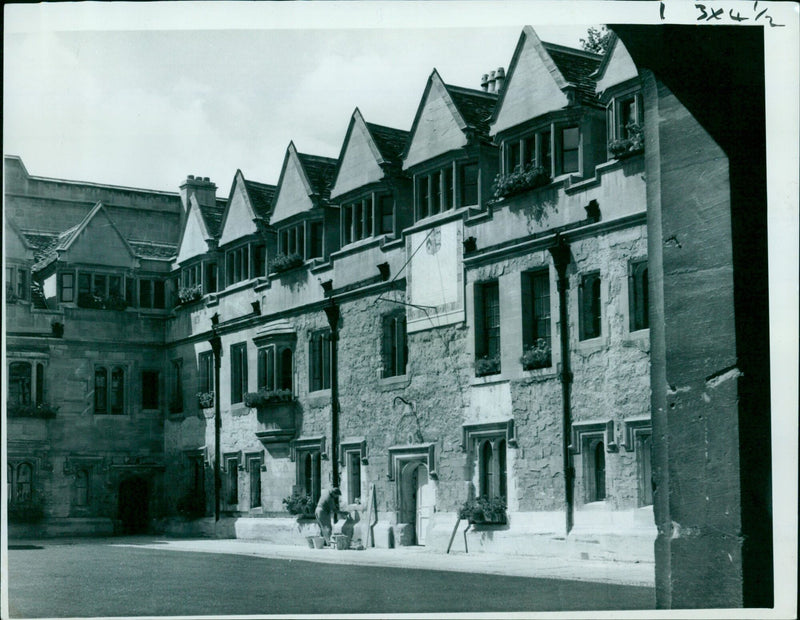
145	108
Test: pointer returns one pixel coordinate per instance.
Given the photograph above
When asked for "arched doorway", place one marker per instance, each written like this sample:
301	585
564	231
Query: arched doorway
417	498
133	499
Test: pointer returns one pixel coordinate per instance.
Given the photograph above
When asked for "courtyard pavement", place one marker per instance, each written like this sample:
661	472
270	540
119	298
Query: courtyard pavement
622	573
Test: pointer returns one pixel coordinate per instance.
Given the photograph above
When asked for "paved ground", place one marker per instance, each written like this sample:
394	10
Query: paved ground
153	576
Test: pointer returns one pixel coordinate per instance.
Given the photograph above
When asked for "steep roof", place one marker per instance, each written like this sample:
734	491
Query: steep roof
261	196
577	67
46	251
212	217
320	172
475	106
391	142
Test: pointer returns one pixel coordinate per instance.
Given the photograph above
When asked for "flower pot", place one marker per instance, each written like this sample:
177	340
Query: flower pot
318	541
341	541
310	541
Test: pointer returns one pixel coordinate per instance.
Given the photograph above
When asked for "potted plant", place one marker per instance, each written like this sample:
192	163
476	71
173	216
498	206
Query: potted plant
484	511
631	145
263	398
487	365
522	179
42	411
188	294
285	262
205	399
300	504
536	356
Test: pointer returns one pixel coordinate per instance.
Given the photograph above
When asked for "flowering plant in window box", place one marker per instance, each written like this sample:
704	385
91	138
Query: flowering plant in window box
42	411
300	504
536	356
188	294
286	262
487	365
262	398
484	510
205	399
192	506
102	302
520	180
31	511
631	145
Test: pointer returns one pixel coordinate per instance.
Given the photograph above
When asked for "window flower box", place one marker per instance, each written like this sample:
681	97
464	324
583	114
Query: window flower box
536	356
188	294
487	365
101	302
205	399
522	179
632	145
484	511
42	411
264	398
286	262
300	504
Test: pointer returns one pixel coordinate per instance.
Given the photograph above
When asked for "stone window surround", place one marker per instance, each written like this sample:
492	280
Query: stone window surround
227	459
250	459
632	428
34	359
627	302
353	444
109	367
575	311
583	429
410	452
478	431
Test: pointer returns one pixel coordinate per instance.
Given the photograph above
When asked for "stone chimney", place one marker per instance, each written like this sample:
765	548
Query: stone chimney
499	79
485	82
491	81
201	188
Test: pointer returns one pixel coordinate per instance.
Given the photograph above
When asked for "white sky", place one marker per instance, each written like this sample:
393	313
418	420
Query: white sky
145	108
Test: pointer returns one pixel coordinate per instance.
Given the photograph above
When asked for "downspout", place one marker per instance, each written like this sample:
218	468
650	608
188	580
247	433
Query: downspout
561	257
332	313
216	347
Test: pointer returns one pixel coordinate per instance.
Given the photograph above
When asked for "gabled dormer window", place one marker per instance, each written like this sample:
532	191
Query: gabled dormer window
453	185
304	239
237	265
569	142
624	120
531	149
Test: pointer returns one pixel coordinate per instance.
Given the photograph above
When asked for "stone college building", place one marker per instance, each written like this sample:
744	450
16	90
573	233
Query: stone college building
450	318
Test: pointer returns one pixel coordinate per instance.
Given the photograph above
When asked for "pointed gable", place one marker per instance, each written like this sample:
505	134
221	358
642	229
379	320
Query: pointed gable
195	235
534	85
238	219
438	125
305	180
617	66
97	240
360	159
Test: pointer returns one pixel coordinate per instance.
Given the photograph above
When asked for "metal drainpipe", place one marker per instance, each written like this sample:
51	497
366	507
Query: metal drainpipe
332	312
216	347
561	258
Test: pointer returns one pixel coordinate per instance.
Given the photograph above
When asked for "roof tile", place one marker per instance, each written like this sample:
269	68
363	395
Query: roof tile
391	142
320	172
475	106
577	66
261	196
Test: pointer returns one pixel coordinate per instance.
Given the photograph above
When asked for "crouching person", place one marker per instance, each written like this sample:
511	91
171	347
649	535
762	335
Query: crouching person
326	507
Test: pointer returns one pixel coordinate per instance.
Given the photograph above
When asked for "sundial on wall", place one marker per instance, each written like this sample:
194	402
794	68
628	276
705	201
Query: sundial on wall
434	241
